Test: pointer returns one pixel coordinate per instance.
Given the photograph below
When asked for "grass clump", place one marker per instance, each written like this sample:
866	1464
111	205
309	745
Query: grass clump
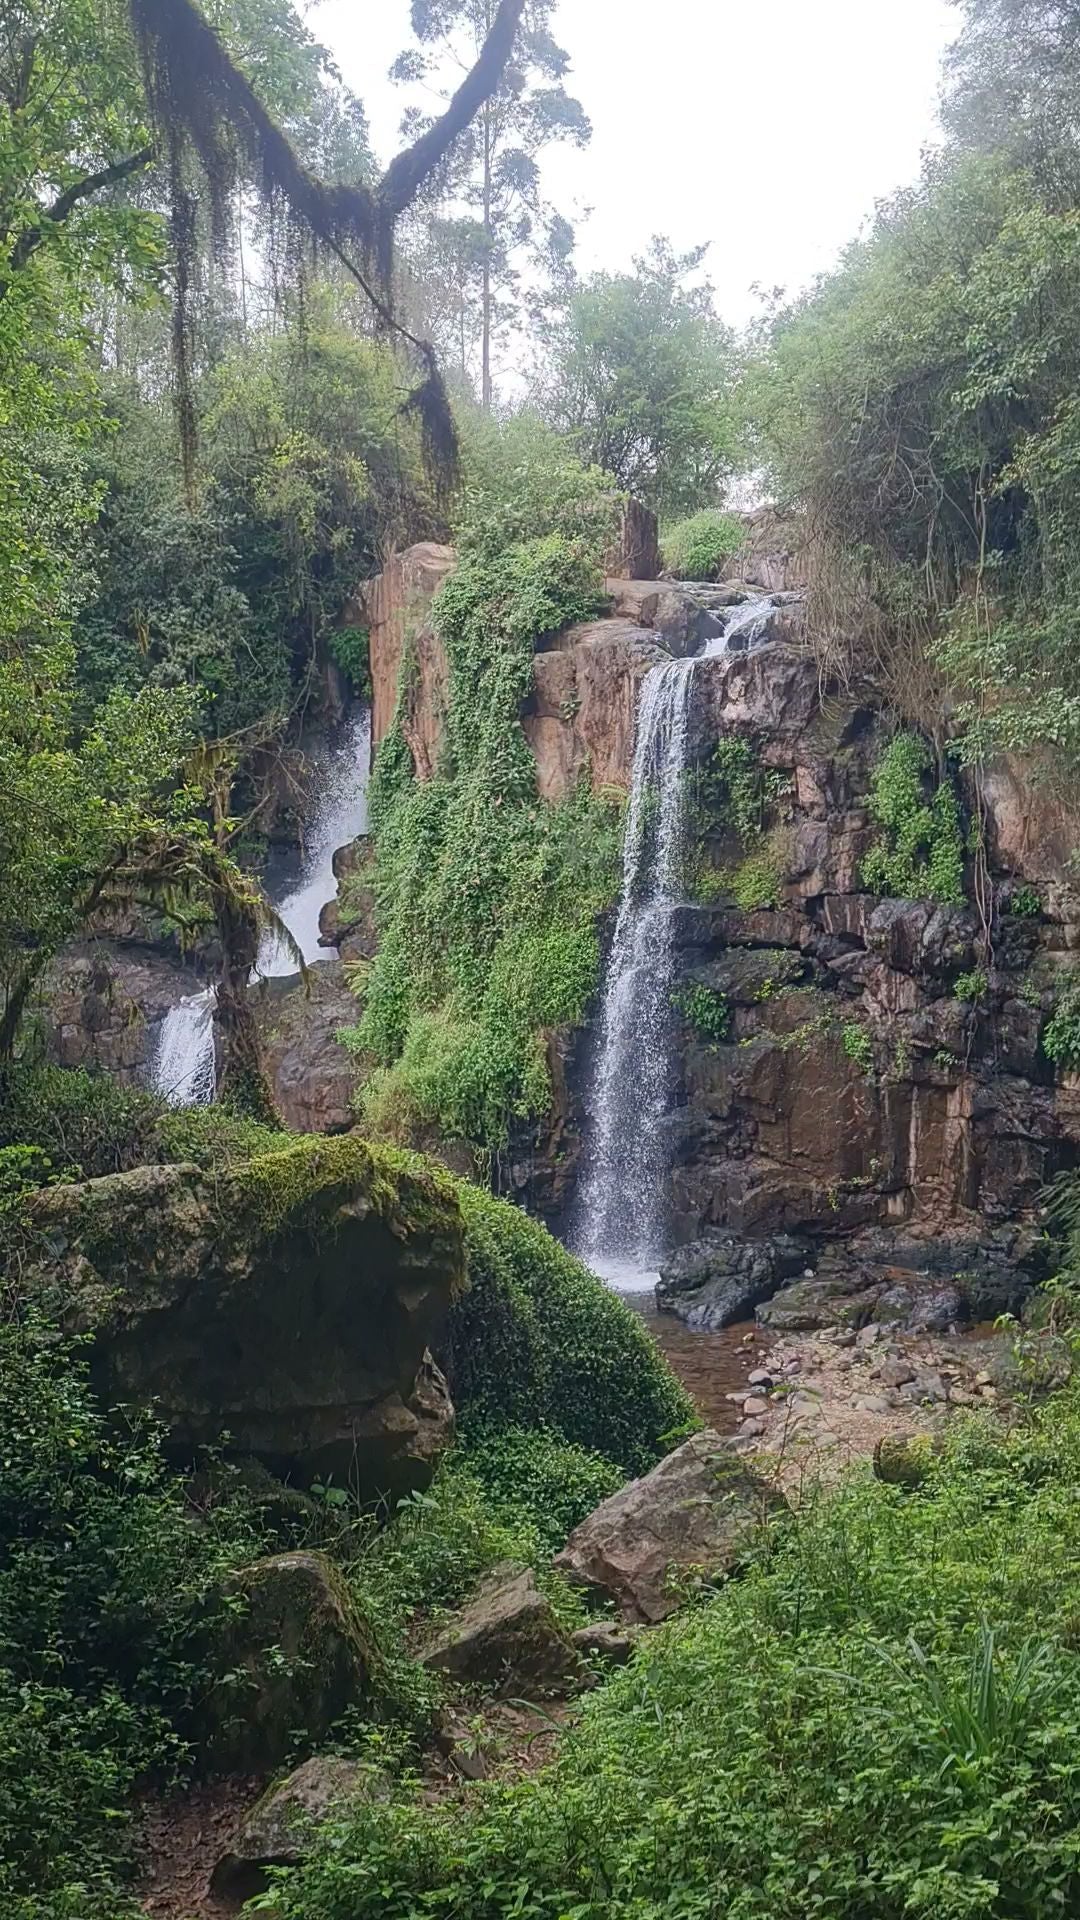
700	547
881	1716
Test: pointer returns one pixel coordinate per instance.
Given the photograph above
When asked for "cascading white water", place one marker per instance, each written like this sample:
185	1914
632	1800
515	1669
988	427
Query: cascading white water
620	1206
620	1213
185	1065
341	814
185	1068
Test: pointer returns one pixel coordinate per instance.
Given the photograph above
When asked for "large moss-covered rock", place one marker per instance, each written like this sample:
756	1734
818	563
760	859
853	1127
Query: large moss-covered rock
281	1829
289	1303
294	1656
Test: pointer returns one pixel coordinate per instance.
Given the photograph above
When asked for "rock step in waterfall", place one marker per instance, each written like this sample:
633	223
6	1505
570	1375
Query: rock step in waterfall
185	1068
619	1229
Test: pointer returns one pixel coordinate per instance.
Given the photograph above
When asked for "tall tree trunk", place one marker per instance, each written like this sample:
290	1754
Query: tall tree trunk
485	375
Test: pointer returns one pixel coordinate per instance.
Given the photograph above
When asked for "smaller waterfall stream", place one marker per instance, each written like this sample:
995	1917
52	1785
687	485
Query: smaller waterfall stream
185	1068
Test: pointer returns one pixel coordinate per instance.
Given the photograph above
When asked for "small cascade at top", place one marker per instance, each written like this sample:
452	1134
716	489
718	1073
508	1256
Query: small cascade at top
619	1227
185	1065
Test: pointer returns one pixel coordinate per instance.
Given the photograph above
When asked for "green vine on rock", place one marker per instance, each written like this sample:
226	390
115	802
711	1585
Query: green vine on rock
487	899
919	854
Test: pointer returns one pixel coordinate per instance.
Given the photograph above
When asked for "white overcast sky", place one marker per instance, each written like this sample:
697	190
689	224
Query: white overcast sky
766	127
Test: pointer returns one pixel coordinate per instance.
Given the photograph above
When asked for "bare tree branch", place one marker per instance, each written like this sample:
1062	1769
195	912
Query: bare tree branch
65	203
407	172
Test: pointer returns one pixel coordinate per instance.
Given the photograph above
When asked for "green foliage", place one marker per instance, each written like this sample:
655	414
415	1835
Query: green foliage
704	1009
538	1341
972	986
107	1596
1061	1036
522	481
699	547
913	1691
1025	903
641	372
349	648
487	900
920	852
80	1125
858	1043
536	1474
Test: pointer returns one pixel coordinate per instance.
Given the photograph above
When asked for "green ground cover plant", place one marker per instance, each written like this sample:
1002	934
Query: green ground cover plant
879	1716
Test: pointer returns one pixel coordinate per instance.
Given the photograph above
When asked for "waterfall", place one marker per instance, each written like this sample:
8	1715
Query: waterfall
340	814
620	1211
185	1066
619	1227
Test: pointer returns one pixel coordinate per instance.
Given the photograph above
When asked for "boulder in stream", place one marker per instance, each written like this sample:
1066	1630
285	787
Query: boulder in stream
718	1280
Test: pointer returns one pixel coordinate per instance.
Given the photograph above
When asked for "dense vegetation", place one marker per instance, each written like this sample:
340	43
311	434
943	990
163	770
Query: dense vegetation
208	437
879	1716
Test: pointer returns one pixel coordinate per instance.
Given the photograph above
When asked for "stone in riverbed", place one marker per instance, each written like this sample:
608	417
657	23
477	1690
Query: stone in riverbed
695	1512
721	1279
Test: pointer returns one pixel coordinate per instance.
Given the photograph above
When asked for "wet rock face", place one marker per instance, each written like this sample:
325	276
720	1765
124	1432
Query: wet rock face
696	1510
312	1074
290	1304
716	1281
104	1003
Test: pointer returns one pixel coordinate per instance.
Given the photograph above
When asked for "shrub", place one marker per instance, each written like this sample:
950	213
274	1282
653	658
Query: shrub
861	1724
703	1009
538	1341
349	648
920	852
1025	903
972	986
857	1042
535	1474
699	547
107	1594
1061	1039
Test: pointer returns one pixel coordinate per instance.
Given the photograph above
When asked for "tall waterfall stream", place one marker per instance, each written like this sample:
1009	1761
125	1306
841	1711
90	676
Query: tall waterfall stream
619	1224
184	1068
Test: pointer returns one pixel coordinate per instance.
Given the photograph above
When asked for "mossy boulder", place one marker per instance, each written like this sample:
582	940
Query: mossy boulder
282	1827
288	1304
293	1657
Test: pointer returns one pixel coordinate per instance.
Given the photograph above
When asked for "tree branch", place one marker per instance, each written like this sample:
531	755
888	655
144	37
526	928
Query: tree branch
65	203
407	172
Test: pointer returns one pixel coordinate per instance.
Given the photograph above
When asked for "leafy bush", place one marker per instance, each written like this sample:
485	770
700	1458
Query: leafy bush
858	1043
1061	1038
350	649
700	547
487	900
87	1124
538	1341
536	1474
704	1009
972	986
1025	903
920	852
861	1724
107	1594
